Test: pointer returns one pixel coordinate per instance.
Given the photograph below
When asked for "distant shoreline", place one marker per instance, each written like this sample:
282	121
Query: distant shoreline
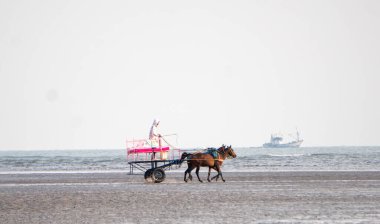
188	148
204	170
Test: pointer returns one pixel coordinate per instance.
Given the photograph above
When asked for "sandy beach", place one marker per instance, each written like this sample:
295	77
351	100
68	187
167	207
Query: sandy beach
255	197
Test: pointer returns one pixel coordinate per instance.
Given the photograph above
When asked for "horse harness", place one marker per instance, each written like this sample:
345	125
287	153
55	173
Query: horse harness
214	153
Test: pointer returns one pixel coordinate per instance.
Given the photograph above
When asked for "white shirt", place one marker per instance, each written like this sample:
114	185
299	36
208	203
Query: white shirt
153	130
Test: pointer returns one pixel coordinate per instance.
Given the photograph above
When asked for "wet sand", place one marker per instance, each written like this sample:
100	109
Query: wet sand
262	197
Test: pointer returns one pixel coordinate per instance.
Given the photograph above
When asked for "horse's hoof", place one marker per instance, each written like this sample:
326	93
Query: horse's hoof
201	181
224	180
208	180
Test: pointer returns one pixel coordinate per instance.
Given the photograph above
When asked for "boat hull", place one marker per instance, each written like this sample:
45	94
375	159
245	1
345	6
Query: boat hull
295	144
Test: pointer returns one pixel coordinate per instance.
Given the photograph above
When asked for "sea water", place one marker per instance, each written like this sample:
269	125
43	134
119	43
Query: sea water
248	160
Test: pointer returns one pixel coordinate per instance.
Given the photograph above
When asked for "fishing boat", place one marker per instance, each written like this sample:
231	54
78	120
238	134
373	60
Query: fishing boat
277	141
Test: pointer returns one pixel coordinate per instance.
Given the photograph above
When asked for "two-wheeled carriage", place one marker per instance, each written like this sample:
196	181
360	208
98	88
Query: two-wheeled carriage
152	160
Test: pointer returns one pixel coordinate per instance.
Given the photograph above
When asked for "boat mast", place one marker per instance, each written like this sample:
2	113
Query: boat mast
298	135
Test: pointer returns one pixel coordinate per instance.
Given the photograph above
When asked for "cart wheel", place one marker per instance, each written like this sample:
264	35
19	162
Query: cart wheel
148	174
158	175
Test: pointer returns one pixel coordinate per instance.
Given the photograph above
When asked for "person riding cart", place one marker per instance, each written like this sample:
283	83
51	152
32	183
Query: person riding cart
154	137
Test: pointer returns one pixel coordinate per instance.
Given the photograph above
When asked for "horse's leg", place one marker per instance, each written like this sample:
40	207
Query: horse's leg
209	171
219	170
184	178
220	173
197	172
217	175
189	169
190	176
189	172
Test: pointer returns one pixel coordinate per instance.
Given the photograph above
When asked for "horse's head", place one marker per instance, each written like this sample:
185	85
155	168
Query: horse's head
230	152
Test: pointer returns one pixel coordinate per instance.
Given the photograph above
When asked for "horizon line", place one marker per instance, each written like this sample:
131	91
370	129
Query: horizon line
184	148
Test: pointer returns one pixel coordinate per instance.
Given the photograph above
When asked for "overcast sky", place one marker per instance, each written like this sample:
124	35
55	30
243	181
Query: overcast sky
88	74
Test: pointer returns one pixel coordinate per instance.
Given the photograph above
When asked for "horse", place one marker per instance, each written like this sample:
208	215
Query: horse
199	159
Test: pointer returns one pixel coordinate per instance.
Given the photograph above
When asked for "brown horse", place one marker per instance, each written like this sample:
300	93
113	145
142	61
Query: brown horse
197	160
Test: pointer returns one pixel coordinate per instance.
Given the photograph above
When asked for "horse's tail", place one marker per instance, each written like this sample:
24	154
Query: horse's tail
184	156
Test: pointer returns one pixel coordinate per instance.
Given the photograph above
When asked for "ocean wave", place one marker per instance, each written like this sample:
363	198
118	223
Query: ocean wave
287	155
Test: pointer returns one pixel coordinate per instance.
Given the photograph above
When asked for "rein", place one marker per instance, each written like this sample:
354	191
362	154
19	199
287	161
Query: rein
173	147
